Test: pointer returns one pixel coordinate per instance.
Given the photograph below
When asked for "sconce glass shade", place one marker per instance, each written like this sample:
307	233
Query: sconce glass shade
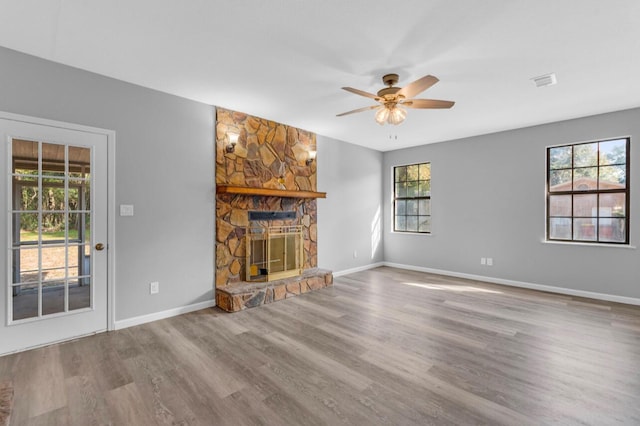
233	137
382	115
233	140
311	157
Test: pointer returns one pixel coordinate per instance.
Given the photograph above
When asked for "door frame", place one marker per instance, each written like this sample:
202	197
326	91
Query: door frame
111	208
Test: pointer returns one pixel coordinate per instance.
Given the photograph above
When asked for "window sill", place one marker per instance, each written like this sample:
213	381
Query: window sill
428	234
563	243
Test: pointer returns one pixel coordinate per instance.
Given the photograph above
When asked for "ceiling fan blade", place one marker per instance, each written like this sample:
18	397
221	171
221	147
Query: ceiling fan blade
418	86
358	110
361	93
427	103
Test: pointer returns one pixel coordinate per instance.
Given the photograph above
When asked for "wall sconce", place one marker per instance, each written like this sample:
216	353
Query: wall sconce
311	157
233	140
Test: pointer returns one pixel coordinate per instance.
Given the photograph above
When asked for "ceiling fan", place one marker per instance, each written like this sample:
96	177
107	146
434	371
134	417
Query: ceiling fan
394	100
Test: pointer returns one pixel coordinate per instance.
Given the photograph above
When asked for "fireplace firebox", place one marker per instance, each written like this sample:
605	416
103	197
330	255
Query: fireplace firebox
274	252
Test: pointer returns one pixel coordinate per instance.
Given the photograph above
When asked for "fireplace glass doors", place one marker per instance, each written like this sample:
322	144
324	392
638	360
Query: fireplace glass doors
274	252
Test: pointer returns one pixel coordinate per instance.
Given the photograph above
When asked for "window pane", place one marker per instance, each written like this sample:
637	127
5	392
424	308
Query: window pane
53	159
74	198
560	205
584	229
401	189
613	152
80	227
25	193
560	228
612	230
560	157
53	226
424	207
584	205
401	173
412	172
25	156
79	161
412	207
401	223
613	177
585	179
27	224
560	180
25	301
615	203
412	223
79	294
424	188
53	194
424	223
412	189
79	195
84	268
425	171
585	155
53	262
72	256
52	297
401	207
25	265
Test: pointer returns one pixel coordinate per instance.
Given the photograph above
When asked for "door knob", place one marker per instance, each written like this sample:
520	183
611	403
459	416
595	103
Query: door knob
99	246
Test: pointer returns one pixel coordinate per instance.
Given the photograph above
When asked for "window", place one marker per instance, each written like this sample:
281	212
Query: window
588	192
412	198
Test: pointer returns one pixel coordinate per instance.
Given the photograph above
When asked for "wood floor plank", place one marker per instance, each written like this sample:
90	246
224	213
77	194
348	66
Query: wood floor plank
382	347
41	378
87	405
126	406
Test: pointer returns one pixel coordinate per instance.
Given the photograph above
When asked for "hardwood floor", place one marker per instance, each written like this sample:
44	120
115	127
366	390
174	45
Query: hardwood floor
384	346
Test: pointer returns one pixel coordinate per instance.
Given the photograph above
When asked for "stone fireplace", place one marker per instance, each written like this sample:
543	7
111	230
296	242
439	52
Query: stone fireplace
265	184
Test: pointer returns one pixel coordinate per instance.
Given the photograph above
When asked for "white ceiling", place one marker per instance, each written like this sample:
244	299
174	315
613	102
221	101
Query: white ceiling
286	60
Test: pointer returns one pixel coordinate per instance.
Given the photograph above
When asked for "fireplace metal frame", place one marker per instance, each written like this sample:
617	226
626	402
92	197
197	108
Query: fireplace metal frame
264	243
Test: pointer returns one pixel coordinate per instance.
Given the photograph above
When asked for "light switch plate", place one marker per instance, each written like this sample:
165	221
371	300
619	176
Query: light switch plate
126	209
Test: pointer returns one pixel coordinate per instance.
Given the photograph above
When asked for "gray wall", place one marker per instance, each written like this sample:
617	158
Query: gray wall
350	218
164	167
488	200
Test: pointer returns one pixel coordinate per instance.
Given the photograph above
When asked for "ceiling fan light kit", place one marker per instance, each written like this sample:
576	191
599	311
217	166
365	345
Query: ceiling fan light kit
394	100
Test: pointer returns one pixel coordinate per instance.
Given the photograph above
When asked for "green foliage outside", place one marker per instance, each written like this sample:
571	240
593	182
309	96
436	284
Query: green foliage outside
53	198
603	161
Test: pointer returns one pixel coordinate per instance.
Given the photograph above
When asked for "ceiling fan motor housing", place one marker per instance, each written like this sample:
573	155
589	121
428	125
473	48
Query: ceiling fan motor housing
389	93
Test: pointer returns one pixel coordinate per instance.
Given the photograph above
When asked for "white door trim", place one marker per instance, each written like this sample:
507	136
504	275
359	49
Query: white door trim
111	188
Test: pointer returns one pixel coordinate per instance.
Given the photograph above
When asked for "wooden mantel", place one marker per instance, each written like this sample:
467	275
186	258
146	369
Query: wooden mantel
267	192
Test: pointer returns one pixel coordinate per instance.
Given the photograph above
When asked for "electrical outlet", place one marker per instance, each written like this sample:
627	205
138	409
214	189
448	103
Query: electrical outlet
483	260
489	261
355	254
154	287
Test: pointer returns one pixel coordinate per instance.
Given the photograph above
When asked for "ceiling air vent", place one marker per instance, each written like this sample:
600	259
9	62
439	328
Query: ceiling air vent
545	80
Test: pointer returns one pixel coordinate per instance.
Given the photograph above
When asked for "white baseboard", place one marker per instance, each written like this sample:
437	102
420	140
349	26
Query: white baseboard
358	269
142	319
540	287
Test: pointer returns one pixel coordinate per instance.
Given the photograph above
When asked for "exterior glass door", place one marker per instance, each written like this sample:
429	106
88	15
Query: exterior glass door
54	200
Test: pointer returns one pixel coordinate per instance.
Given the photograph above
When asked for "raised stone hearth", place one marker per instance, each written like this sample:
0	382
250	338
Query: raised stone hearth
243	295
